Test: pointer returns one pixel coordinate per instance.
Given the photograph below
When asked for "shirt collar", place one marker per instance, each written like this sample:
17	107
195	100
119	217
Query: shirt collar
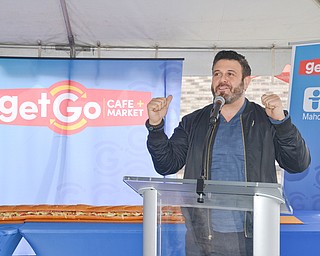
238	113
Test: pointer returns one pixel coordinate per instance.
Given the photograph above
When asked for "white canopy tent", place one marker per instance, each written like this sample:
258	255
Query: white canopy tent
194	30
263	31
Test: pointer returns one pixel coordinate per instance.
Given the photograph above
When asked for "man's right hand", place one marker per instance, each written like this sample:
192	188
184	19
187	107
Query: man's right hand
157	109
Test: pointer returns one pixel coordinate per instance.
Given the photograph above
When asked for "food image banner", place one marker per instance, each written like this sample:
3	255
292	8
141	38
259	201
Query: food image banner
303	189
72	128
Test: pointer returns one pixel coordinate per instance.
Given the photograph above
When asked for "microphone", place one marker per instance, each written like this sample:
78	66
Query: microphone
218	103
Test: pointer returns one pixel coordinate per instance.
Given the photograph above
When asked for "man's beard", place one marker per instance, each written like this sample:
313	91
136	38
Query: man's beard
235	93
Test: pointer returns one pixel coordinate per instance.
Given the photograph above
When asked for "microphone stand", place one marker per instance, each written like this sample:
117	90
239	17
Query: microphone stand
206	159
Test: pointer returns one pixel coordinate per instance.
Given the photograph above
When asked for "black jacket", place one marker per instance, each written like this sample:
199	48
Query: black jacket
264	143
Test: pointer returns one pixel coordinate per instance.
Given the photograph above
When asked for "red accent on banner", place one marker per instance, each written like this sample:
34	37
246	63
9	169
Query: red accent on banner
309	67
67	107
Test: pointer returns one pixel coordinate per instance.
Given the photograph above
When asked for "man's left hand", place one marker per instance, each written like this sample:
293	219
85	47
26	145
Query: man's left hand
273	106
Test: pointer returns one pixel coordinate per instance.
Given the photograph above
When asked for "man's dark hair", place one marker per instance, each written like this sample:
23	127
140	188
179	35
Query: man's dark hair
232	55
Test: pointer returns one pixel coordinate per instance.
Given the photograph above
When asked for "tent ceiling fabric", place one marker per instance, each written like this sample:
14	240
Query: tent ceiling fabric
193	30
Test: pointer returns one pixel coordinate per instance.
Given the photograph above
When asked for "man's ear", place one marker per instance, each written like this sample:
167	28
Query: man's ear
246	82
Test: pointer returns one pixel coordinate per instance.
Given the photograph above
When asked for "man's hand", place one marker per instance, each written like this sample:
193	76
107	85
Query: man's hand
273	106
157	109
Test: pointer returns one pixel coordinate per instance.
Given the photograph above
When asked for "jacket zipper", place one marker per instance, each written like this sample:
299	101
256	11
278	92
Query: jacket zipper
245	170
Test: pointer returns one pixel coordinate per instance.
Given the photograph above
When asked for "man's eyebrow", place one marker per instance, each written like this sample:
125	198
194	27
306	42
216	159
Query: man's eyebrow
229	70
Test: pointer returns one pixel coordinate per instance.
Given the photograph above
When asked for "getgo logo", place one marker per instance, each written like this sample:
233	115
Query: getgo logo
310	67
67	107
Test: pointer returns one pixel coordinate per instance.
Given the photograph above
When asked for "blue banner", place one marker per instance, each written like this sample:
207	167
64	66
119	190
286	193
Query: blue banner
303	190
72	128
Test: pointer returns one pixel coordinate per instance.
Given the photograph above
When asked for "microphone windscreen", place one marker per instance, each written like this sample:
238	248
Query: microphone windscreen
219	99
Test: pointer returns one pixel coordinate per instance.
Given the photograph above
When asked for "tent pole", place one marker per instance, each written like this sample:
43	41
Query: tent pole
68	27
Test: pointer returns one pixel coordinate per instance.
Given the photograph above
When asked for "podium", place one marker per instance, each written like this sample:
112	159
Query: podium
265	200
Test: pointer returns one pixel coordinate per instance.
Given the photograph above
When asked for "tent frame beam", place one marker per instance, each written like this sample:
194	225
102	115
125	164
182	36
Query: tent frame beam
74	48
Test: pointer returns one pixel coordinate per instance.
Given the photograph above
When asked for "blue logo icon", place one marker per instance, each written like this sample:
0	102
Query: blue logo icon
311	102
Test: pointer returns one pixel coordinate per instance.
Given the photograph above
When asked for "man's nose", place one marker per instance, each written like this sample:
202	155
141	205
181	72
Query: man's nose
224	78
